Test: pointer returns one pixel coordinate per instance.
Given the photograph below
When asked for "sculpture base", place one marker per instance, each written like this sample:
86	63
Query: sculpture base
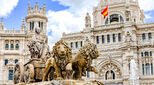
64	82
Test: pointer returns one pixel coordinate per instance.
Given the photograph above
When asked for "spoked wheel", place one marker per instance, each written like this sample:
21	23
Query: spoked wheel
51	74
18	73
29	73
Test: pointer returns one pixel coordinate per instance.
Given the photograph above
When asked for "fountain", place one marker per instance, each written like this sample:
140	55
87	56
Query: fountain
134	77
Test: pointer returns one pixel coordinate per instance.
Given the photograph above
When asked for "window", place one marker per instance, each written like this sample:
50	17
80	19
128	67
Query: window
42	25
143	37
88	74
97	39
16	60
150	53
142	54
149	36
114	38
76	44
143	69
151	68
129	66
146	54
114	18
103	39
6	61
119	37
12	46
17	46
10	74
106	22
108	38
147	69
72	45
39	24
6	46
109	75
81	43
31	25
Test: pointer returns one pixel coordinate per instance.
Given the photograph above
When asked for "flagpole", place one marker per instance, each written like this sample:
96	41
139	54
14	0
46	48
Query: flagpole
108	12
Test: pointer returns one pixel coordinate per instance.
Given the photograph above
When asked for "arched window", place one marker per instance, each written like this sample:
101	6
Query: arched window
143	37
81	43
149	36
114	19
119	37
114	38
6	61
6	46
10	74
17	46
72	45
16	60
12	46
147	69
103	39
110	75
97	39
150	53
108	38
76	44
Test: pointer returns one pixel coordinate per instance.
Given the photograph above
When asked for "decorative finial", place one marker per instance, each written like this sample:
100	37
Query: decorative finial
36	5
23	25
2	24
44	8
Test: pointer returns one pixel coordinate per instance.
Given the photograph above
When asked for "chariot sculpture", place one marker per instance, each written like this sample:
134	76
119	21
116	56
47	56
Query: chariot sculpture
57	65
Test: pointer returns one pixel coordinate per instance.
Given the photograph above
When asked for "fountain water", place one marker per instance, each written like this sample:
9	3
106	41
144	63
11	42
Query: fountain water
134	77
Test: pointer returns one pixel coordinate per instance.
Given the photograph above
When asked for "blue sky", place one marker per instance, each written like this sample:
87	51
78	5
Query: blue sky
14	19
63	15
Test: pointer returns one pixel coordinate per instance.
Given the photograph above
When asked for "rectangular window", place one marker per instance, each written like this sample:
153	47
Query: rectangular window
103	39
76	44
146	54
143	69
10	74
147	69
149	36
119	37
151	68
143	37
114	38
6	61
88	74
72	45
108	38
97	39
142	54
150	53
81	43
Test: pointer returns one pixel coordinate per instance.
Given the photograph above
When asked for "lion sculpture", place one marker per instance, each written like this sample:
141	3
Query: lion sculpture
60	62
83	60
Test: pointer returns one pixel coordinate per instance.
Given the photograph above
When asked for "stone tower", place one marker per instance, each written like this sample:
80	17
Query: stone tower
120	11
36	17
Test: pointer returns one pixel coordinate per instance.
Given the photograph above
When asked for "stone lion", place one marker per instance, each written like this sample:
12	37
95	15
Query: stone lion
83	60
59	63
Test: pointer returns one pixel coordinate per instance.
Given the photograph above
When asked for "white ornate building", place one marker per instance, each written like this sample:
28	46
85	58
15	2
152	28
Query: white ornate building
13	43
120	37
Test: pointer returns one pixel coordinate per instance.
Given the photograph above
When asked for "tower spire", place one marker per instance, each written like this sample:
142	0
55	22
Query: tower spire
36	6
44	8
2	24
23	25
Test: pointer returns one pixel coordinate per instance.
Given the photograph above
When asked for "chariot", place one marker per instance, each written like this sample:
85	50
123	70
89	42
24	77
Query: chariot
30	72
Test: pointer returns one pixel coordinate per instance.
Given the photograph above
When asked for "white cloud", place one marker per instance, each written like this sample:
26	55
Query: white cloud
72	19
146	5
6	6
148	16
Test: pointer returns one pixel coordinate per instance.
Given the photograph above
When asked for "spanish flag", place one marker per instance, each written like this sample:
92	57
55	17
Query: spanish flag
105	12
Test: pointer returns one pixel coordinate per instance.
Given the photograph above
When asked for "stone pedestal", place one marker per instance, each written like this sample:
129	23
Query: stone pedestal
64	82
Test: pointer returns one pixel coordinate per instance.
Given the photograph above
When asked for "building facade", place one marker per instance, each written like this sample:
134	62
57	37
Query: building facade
121	36
13	43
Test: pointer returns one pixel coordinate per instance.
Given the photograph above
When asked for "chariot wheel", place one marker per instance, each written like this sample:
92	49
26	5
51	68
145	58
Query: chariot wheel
18	73
29	73
51	74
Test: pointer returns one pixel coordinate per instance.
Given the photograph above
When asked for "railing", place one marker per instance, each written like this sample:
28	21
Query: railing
12	32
